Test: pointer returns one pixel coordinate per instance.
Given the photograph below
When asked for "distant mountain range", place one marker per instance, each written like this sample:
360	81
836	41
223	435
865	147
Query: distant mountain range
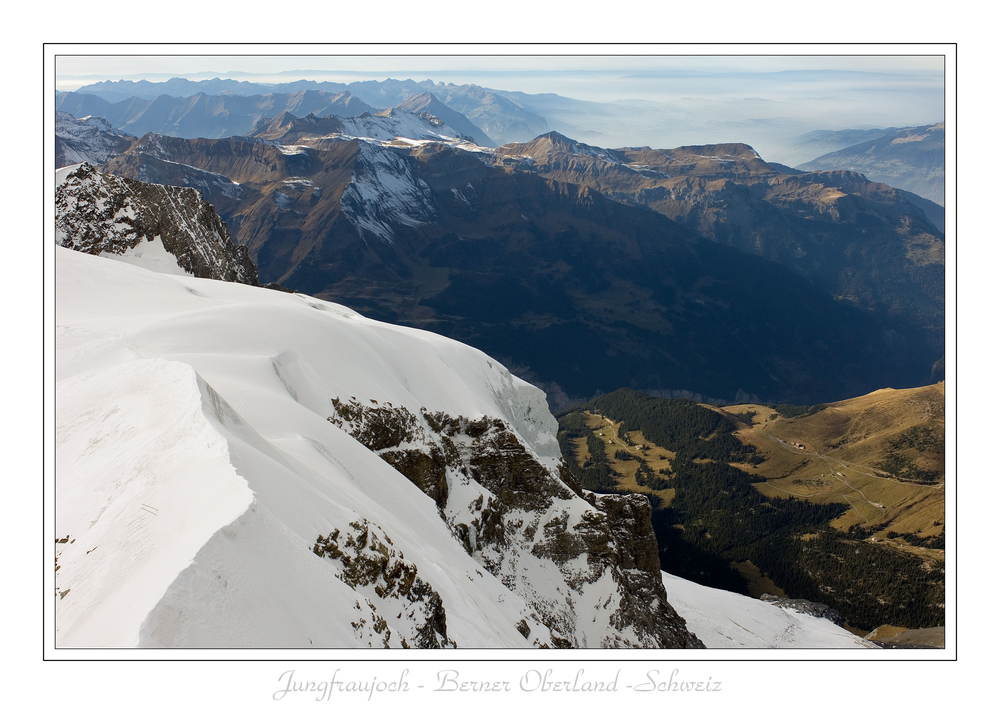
575	290
226	107
222	108
203	115
910	158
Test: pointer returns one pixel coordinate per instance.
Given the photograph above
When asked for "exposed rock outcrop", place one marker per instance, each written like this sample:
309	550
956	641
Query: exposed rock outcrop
587	565
803	606
99	213
367	558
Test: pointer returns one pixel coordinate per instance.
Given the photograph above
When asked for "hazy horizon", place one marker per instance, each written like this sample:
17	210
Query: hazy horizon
660	101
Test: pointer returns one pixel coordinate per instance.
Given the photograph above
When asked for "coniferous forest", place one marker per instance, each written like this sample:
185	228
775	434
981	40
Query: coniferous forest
717	517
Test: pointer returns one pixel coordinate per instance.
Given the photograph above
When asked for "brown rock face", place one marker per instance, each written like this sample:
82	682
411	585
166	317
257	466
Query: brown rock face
863	241
544	540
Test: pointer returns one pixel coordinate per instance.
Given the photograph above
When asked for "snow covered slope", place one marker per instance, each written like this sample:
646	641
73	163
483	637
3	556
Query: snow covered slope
90	139
384	193
726	620
205	498
393	124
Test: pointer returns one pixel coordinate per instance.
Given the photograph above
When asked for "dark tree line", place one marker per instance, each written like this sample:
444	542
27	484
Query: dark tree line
675	424
717	517
595	474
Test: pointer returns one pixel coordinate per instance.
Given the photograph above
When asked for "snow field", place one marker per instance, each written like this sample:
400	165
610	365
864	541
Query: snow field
267	364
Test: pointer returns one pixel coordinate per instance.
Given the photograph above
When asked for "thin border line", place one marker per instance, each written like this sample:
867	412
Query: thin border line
505	660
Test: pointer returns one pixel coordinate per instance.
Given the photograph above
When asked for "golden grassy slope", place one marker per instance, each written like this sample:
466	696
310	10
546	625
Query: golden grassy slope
846	447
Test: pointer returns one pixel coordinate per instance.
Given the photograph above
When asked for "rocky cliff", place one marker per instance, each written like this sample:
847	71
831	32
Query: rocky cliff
103	214
587	565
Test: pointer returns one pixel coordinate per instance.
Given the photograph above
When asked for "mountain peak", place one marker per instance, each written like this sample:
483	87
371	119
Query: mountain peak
555	138
286	127
92	139
422	101
554	143
429	104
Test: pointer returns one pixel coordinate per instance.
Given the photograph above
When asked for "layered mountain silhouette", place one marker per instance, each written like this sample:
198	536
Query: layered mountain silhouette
573	289
911	158
222	108
203	115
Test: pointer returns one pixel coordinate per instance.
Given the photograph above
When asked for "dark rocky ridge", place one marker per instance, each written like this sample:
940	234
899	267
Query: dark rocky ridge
803	606
98	213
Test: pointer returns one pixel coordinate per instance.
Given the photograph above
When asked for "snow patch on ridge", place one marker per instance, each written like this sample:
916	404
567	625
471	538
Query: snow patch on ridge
384	193
150	255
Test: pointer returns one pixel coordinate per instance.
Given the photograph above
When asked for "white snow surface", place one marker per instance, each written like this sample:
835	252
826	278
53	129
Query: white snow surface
196	410
151	255
726	620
